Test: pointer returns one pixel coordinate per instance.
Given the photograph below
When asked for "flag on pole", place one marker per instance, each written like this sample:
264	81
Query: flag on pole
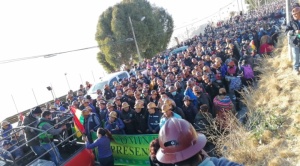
78	124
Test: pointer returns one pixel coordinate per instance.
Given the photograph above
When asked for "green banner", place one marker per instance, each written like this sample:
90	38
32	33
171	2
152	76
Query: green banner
131	149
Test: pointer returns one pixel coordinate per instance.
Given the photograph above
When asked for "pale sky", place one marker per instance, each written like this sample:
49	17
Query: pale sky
35	27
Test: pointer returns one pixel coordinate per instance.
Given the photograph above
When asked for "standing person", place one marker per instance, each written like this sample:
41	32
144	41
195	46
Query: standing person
189	109
31	120
184	146
91	122
105	155
293	30
127	116
153	118
46	136
140	118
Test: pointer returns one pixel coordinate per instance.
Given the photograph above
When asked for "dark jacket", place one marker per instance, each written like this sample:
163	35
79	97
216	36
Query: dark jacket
129	99
128	119
178	99
153	121
91	123
31	121
190	112
201	122
108	94
141	122
292	27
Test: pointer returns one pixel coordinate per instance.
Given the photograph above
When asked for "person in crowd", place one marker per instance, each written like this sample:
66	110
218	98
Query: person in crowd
127	116
87	103
5	130
167	114
189	109
102	143
223	108
177	97
128	96
111	107
88	85
293	30
108	93
153	118
102	111
114	124
184	146
31	121
91	123
46	136
154	97
140	118
12	152
118	103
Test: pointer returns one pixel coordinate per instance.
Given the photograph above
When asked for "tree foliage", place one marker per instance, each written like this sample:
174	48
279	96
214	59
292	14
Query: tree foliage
113	34
253	4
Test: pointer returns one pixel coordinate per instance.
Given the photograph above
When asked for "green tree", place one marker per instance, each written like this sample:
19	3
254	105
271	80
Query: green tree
152	33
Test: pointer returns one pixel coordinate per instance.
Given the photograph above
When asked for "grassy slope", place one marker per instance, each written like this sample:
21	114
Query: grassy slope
272	134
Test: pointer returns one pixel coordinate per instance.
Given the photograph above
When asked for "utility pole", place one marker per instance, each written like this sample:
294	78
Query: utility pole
136	44
15	103
187	33
288	19
35	97
238	4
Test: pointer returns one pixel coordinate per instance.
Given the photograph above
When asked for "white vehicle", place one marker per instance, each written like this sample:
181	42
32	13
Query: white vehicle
108	79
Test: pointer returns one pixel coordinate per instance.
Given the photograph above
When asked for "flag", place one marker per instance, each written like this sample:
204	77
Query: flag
252	46
78	125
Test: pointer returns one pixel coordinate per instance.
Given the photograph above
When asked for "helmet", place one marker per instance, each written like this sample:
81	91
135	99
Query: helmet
138	105
186	98
178	141
108	105
113	114
151	105
170	102
165	108
124	105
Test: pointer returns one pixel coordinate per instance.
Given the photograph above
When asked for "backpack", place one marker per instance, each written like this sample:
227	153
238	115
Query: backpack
235	84
248	72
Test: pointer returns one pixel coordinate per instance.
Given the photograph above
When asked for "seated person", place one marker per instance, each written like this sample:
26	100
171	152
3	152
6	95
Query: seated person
12	152
114	124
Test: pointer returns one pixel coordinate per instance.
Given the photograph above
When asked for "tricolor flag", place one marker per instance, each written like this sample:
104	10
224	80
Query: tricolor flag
78	121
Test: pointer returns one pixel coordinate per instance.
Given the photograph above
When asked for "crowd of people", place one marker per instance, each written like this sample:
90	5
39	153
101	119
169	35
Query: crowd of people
199	84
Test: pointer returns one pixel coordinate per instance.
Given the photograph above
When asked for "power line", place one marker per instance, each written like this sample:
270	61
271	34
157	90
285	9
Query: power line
86	48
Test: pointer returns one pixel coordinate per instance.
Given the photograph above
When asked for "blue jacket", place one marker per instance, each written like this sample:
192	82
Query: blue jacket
15	151
213	161
112	126
189	92
5	132
153	121
163	119
92	122
103	145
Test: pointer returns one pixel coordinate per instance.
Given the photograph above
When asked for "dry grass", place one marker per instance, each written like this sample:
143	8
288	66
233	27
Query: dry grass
272	134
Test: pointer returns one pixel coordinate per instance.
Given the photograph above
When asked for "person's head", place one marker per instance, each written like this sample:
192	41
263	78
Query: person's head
204	108
222	91
86	102
186	100
154	94
47	115
5	124
153	148
166	109
110	107
117	101
125	106
6	144
112	116
179	142
151	107
296	13
36	112
138	106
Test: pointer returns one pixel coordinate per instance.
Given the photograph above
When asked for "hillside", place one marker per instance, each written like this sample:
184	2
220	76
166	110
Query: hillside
272	134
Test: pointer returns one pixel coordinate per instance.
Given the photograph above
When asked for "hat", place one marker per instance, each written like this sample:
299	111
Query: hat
138	105
5	142
186	98
113	114
108	105
125	105
117	98
151	105
102	102
4	123
37	110
165	108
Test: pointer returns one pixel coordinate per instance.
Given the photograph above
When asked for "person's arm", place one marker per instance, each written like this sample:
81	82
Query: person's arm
121	124
97	122
52	131
92	145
